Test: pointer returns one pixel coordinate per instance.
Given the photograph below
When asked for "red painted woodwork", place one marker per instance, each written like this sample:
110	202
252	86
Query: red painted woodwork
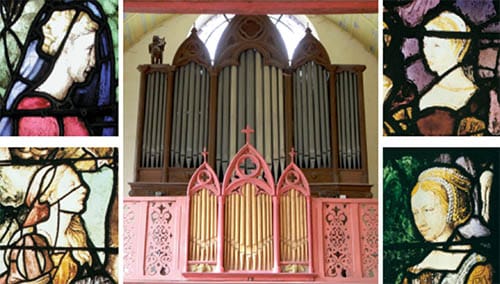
344	237
252	6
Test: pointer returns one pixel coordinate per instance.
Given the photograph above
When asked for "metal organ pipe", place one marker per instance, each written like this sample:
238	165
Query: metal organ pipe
154	120
248	234
190	115
251	94
348	120
202	231
311	121
294	238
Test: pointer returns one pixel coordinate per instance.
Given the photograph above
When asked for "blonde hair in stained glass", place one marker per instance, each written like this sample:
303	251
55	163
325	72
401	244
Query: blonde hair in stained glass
447	21
452	189
56	28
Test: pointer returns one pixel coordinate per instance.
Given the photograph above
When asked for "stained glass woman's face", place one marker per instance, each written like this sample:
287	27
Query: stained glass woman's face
430	216
75	201
82	54
440	54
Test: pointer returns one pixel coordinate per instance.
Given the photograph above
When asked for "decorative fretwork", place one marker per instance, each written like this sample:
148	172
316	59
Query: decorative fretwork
354	239
130	221
369	239
159	245
337	241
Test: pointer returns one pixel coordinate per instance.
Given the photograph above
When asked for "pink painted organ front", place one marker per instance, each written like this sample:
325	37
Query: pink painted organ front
251	228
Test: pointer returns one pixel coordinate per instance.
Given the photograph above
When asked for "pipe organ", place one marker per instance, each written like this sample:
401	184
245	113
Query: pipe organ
306	102
249	223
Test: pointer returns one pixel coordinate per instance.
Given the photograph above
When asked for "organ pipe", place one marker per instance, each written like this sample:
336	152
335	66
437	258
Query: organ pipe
251	94
202	231
311	116
154	122
348	121
190	116
294	238
248	234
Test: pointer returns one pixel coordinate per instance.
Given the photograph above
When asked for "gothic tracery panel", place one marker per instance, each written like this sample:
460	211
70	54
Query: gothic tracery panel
159	244
369	239
337	241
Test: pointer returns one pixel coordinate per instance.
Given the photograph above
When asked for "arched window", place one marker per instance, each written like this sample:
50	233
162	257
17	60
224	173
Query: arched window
299	100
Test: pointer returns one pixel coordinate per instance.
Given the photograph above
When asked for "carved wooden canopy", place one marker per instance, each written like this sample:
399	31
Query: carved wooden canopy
192	50
245	32
310	49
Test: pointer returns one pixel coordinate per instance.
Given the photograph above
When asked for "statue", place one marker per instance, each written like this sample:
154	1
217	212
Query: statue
156	49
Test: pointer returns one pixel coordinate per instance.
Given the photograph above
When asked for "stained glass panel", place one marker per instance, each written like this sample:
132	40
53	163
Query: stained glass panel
58	68
58	215
440	219
441	67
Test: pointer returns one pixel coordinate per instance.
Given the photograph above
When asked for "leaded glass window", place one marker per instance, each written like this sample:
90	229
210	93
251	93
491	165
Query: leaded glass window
58	68
58	215
441	67
440	218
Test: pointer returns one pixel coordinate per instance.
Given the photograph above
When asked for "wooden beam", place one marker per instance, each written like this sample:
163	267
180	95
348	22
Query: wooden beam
251	6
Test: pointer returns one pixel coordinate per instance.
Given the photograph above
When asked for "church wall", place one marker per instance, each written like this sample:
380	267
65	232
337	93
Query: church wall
342	48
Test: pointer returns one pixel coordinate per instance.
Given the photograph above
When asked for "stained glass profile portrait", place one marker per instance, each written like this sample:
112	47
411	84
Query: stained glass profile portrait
58	68
58	215
440	215
441	67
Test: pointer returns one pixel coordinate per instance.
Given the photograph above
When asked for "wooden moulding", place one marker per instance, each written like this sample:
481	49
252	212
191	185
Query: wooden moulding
251	7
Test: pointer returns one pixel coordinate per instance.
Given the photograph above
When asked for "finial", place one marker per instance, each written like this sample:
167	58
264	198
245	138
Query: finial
308	30
247	132
204	154
193	29
292	155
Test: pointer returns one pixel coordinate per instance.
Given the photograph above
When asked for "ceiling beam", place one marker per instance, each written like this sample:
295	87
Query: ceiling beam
251	6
